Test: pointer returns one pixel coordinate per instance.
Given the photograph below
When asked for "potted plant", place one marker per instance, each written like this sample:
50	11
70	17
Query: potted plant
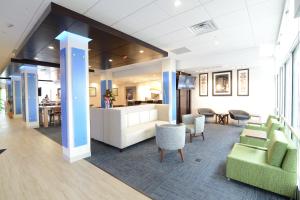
109	98
9	109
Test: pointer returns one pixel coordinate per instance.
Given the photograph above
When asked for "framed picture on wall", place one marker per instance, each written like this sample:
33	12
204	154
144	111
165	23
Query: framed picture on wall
115	91
222	83
243	82
58	93
92	91
203	84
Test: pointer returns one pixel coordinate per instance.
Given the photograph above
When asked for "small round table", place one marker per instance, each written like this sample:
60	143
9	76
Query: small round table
222	118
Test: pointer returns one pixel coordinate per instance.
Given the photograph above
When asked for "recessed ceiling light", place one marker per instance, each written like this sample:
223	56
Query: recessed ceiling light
141	51
216	42
36	58
51	47
110	60
177	3
125	57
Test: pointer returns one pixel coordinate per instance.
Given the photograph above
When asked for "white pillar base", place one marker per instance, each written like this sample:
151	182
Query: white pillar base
33	124
75	154
18	116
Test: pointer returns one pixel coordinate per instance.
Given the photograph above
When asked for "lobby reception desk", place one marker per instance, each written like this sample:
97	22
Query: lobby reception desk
125	126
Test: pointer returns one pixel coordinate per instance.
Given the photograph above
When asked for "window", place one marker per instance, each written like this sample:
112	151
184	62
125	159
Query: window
288	90
296	88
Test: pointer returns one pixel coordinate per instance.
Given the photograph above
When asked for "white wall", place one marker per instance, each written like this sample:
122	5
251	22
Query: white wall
142	89
50	89
95	82
261	99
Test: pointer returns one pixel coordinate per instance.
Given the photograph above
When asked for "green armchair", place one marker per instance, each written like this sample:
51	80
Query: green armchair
272	168
262	126
273	124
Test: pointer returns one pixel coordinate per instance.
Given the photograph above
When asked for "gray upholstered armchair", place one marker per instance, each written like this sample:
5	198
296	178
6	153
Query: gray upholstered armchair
207	112
170	137
194	125
239	115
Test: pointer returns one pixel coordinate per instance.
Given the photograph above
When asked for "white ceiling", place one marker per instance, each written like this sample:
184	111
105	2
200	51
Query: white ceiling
241	23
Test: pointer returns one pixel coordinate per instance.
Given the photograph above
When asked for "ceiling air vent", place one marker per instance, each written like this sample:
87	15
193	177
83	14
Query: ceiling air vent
203	27
180	50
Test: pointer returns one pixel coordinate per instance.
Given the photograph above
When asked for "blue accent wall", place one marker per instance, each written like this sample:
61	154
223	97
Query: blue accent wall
166	87
9	90
23	96
174	96
103	90
110	84
63	98
32	97
79	88
18	97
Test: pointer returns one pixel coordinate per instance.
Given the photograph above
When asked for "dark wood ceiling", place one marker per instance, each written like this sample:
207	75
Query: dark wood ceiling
107	43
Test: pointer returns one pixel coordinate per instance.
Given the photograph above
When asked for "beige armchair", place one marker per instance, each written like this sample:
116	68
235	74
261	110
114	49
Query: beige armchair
170	137
194	125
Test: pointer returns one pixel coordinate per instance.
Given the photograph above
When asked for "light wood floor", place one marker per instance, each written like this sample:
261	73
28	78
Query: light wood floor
32	168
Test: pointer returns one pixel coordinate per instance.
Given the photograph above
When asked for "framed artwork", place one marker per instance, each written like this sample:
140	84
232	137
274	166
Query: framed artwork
92	91
222	83
115	91
58	93
243	82
203	84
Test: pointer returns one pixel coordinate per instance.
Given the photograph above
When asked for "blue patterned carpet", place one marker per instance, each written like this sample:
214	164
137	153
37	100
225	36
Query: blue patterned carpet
200	176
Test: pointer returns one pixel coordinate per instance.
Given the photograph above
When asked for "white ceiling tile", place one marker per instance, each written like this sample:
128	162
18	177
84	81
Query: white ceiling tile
233	19
252	2
205	1
168	6
158	30
141	19
110	11
76	5
265	18
171	39
193	16
217	8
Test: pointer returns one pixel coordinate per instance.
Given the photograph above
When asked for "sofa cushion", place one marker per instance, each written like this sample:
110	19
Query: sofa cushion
153	115
290	159
133	119
277	149
140	132
248	154
144	116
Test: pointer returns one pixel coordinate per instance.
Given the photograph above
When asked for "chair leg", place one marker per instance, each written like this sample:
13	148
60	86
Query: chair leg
203	135
191	138
161	155
180	151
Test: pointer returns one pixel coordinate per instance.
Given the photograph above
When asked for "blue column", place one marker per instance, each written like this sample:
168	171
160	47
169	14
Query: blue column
17	96
74	96
30	96
9	90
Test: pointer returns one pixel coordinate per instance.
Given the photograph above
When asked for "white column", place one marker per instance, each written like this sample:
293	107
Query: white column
75	109
169	87
29	82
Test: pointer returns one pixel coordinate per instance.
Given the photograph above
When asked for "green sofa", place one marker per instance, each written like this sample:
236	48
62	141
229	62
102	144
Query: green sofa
272	124
272	168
